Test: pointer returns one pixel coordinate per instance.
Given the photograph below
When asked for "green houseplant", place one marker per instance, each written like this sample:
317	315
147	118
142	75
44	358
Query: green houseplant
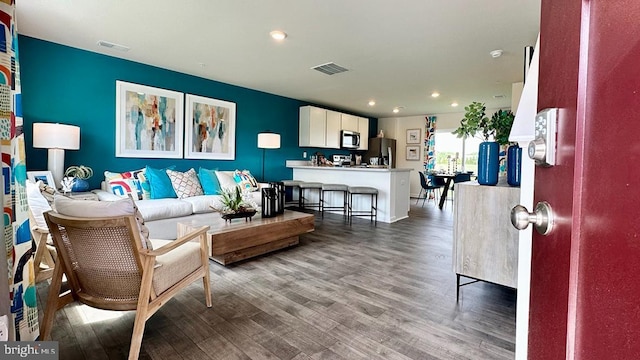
235	204
79	175
475	119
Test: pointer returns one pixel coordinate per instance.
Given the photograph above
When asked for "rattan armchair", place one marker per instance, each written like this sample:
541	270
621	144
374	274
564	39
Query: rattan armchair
108	267
44	259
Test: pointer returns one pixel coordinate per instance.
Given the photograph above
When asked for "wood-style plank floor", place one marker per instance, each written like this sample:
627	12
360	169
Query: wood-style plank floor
359	292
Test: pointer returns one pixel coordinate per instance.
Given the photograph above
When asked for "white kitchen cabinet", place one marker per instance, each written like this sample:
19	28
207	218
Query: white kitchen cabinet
363	129
332	133
349	122
313	125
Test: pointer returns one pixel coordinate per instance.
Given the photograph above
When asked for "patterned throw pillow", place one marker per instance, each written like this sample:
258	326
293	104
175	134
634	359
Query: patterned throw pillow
185	184
245	180
129	182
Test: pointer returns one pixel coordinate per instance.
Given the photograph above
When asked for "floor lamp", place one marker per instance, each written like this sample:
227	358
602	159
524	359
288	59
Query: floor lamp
267	140
57	138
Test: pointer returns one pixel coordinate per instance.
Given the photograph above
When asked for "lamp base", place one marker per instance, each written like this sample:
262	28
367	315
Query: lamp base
56	166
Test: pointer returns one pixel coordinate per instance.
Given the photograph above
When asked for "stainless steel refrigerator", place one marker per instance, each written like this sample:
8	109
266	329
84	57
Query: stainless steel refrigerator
384	149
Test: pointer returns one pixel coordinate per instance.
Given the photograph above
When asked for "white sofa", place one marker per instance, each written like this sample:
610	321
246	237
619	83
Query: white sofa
162	215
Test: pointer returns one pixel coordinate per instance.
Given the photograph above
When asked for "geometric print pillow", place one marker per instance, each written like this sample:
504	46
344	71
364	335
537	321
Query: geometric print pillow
185	184
128	182
245	180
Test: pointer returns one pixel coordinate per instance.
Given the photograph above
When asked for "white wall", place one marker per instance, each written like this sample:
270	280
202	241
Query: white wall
396	128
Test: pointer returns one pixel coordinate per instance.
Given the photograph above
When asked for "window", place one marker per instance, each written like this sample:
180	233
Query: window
448	148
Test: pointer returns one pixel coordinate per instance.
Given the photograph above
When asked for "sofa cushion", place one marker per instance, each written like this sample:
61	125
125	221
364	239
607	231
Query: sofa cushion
225	179
203	203
159	183
129	182
245	180
185	184
155	209
209	181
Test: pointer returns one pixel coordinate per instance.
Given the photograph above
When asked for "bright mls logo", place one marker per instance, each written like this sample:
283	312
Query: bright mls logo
43	350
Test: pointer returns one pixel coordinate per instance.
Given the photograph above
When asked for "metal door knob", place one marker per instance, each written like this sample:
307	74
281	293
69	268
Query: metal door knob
541	218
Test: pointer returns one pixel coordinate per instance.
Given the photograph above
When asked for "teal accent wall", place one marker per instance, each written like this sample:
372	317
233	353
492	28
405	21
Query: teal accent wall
72	86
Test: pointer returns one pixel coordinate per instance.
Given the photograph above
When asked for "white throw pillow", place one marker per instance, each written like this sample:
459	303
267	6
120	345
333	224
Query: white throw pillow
38	205
226	180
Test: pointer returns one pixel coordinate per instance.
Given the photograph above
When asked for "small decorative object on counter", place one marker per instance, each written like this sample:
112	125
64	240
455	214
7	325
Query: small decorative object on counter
381	134
78	175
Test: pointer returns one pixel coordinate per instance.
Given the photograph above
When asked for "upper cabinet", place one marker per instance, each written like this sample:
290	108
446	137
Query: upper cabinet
333	129
321	128
363	129
349	122
313	127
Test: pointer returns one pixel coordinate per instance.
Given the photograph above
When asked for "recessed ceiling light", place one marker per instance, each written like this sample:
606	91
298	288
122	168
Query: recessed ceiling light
435	94
396	110
496	53
278	35
371	102
454	104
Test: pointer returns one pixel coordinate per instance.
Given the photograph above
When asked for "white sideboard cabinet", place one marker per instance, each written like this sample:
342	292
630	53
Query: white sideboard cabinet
485	244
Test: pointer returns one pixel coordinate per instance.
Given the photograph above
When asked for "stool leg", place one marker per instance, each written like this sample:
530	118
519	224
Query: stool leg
375	223
345	205
322	203
350	208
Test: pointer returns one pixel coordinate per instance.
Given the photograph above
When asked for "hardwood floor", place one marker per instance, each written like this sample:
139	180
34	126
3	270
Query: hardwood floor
359	292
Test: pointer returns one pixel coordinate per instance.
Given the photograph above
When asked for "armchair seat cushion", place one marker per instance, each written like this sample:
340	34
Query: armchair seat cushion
175	265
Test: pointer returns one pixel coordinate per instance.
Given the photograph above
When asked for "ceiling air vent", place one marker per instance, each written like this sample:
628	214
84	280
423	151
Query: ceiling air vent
113	46
330	68
498	96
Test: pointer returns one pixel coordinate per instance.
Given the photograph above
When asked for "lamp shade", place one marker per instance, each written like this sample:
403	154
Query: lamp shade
56	136
268	140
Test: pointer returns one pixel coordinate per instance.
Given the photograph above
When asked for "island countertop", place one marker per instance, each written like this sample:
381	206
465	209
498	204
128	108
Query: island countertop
347	168
392	185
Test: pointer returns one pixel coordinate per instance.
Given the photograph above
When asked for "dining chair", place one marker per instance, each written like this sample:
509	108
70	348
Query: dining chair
110	265
429	187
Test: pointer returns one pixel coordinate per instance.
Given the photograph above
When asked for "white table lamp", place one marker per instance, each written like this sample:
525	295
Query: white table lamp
267	140
57	138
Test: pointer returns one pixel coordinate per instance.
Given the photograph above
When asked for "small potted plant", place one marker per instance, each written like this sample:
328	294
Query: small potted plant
235	204
79	175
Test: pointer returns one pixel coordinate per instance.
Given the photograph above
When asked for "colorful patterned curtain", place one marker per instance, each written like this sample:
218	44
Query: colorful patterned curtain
429	143
19	245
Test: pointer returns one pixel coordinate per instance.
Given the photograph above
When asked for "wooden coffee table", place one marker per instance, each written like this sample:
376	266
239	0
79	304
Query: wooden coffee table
239	239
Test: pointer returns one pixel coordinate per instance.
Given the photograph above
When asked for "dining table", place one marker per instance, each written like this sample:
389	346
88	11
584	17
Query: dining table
448	180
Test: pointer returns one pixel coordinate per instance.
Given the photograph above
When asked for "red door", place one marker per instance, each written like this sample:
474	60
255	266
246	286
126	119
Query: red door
585	286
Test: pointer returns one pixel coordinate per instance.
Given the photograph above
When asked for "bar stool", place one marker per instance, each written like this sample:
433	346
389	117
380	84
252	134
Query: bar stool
310	186
344	189
293	185
363	190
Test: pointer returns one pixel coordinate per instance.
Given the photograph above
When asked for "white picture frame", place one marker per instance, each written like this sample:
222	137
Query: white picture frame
413	136
413	153
210	128
45	176
149	121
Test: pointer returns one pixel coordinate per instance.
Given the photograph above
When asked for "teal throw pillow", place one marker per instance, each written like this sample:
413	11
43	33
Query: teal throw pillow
159	183
209	181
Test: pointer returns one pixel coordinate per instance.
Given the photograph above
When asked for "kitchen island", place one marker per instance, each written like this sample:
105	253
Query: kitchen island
392	185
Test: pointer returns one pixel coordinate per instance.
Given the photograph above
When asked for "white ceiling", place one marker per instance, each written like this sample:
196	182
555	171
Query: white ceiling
398	52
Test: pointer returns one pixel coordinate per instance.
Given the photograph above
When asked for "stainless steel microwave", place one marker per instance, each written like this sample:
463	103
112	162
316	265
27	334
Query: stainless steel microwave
349	139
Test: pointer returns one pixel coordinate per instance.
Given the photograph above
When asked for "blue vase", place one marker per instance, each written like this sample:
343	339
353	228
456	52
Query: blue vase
488	163
80	185
514	165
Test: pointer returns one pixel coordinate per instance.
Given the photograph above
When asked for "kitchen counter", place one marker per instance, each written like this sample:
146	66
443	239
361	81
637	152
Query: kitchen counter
392	185
348	168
